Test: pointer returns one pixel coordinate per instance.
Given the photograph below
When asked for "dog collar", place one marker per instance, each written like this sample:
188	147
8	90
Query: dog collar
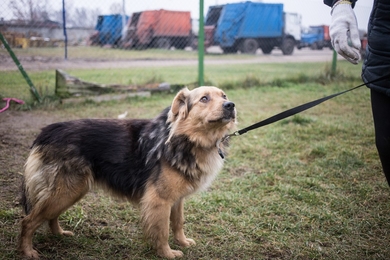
219	149
221	153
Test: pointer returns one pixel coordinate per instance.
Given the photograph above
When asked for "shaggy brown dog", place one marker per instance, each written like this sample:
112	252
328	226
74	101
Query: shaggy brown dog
154	163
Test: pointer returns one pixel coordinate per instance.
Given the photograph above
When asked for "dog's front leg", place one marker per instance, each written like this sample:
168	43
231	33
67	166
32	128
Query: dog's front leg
177	221
155	212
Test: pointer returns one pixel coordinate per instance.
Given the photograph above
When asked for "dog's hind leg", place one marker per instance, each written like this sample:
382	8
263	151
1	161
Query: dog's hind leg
49	191
48	210
64	199
56	228
177	221
29	224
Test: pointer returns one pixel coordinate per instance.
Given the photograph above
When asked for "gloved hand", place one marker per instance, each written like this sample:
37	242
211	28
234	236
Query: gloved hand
344	32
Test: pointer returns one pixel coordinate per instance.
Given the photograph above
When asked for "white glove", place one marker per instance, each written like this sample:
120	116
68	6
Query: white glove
344	32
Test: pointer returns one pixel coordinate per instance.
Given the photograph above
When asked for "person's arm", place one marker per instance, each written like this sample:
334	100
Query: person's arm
332	2
343	29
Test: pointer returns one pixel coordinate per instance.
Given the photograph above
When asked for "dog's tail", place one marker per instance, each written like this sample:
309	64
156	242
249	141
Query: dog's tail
24	201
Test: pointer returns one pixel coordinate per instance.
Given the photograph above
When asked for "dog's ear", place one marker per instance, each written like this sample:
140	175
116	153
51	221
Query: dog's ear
179	105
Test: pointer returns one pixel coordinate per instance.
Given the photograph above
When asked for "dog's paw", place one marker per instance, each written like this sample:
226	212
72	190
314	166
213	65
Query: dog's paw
30	254
67	233
186	242
170	254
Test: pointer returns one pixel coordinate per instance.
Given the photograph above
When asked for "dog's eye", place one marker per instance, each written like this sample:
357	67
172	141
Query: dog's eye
204	99
224	96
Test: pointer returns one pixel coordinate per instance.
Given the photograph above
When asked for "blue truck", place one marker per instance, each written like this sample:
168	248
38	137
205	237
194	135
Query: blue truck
248	26
108	30
316	38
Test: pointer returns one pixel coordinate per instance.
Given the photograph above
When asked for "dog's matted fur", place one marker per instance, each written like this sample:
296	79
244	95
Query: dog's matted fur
154	163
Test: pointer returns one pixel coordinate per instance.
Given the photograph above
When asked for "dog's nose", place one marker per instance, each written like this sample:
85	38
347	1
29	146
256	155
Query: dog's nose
228	105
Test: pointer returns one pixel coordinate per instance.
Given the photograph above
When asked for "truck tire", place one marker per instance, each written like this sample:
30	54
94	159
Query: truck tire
163	43
194	43
249	46
180	43
267	49
314	46
229	49
288	46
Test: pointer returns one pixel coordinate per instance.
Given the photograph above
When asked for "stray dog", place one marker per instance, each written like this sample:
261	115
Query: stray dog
154	163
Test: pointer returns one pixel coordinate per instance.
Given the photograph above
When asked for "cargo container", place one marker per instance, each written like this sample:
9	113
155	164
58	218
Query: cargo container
247	26
159	29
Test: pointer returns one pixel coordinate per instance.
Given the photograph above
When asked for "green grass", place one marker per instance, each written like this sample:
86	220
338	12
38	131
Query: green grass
12	83
308	187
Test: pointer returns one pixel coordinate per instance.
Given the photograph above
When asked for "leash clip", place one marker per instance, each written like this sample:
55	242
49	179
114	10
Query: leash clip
226	137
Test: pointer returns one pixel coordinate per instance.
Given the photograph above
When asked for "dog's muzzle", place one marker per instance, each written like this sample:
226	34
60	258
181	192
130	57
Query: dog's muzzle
228	105
229	111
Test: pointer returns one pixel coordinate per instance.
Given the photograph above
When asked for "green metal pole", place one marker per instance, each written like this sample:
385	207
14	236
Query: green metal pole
201	45
334	64
20	67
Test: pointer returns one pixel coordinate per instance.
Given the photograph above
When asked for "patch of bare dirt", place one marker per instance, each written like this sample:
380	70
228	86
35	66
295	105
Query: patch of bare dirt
18	129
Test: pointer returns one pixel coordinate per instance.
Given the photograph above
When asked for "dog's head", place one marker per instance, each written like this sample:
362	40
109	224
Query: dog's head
204	113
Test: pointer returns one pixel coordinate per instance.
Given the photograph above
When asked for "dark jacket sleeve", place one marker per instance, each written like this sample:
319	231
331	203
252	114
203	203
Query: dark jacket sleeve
332	2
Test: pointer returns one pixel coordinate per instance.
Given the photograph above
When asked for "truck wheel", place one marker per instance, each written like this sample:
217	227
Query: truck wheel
163	43
180	43
194	44
249	46
229	50
288	46
267	49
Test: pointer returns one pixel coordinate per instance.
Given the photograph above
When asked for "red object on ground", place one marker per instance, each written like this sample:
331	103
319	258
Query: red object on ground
8	100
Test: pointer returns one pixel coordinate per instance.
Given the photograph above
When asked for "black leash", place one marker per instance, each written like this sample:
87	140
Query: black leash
297	110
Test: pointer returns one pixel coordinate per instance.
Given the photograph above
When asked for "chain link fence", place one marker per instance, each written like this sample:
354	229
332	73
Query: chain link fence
53	30
235	27
45	33
36	23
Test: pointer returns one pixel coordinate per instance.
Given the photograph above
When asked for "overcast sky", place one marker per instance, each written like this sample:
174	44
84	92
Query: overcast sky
313	12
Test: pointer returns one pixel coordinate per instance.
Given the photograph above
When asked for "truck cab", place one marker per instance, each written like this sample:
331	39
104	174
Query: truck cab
108	30
315	37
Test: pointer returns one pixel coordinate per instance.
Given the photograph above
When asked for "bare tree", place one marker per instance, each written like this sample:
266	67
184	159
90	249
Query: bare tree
116	8
30	10
78	17
57	15
39	10
86	18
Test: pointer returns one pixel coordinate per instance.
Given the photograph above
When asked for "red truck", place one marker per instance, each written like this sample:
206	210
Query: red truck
158	29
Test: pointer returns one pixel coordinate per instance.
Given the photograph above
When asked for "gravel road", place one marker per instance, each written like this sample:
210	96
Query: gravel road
39	63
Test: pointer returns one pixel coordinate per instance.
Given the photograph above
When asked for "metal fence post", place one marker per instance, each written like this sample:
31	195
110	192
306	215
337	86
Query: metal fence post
64	26
201	45
334	64
20	67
